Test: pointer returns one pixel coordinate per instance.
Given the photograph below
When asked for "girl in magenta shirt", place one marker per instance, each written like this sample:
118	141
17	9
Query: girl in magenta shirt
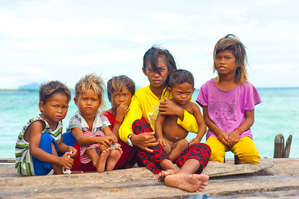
228	104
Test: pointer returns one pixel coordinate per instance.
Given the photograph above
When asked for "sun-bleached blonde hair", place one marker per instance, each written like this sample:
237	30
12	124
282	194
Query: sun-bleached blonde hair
91	81
232	43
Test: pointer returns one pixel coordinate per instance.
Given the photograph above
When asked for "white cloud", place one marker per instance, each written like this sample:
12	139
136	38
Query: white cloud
43	40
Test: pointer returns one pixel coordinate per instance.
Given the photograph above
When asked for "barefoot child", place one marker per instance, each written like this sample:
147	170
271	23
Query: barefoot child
157	65
41	139
171	135
91	129
228	104
120	91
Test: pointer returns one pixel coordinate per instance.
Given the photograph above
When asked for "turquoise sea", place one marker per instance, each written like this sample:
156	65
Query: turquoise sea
278	113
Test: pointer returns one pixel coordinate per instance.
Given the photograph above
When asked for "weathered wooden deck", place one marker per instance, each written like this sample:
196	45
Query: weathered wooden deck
233	181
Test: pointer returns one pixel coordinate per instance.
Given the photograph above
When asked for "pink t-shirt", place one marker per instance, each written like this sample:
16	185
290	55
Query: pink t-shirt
227	108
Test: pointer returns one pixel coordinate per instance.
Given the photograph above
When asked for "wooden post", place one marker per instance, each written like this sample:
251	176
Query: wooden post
287	147
278	146
281	150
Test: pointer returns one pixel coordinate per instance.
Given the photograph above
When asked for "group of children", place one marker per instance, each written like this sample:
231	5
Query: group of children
149	126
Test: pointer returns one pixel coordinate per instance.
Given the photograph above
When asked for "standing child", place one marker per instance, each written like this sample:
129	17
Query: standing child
120	91
91	129
136	129
171	135
40	140
228	104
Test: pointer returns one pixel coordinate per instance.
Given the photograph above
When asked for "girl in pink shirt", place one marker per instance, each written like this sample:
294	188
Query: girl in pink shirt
228	104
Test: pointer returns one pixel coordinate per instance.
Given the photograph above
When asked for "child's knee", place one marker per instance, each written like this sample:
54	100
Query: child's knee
141	126
115	153
246	151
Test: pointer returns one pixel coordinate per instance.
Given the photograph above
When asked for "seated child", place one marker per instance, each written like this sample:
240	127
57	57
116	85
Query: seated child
40	141
120	91
228	102
91	129
169	134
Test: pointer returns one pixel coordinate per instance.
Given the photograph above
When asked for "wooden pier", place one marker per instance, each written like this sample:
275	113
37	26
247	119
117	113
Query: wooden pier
273	178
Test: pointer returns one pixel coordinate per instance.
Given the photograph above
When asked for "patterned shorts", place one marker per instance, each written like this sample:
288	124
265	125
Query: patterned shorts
151	161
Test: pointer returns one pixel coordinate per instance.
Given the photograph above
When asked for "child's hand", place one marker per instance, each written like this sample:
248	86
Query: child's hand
223	137
66	161
144	141
115	139
195	141
121	111
106	141
72	150
166	146
233	137
102	147
168	107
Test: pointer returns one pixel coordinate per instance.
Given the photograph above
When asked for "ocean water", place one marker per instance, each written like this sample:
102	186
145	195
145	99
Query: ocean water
278	113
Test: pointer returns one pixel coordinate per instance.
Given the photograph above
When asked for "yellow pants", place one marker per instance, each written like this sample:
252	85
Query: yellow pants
245	149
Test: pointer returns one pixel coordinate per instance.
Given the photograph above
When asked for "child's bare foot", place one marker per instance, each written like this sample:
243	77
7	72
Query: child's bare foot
113	158
102	160
167	172
187	182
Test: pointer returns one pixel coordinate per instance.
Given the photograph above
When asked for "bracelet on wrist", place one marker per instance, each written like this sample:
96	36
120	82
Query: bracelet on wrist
238	130
130	143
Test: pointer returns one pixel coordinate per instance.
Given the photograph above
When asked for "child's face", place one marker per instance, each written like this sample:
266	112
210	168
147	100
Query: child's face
121	97
225	62
55	108
88	103
182	93
157	80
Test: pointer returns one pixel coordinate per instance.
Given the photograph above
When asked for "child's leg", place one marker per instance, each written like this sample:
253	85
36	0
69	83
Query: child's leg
180	146
93	155
217	149
113	158
158	159
101	162
48	144
246	151
57	168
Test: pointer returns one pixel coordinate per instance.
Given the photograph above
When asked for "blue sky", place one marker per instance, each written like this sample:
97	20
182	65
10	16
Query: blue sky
64	40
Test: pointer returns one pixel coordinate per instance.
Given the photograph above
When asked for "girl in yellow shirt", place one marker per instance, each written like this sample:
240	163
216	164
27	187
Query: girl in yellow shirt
136	129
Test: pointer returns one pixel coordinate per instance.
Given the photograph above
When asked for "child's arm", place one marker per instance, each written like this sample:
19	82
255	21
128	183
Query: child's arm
35	130
234	136
185	119
200	122
107	131
85	140
159	129
65	148
121	112
143	140
221	135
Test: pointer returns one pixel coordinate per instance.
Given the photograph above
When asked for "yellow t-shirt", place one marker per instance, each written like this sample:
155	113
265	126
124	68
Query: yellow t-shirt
146	104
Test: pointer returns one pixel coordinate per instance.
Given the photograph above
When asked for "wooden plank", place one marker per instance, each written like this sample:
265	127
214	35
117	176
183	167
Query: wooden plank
7	160
216	169
141	183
